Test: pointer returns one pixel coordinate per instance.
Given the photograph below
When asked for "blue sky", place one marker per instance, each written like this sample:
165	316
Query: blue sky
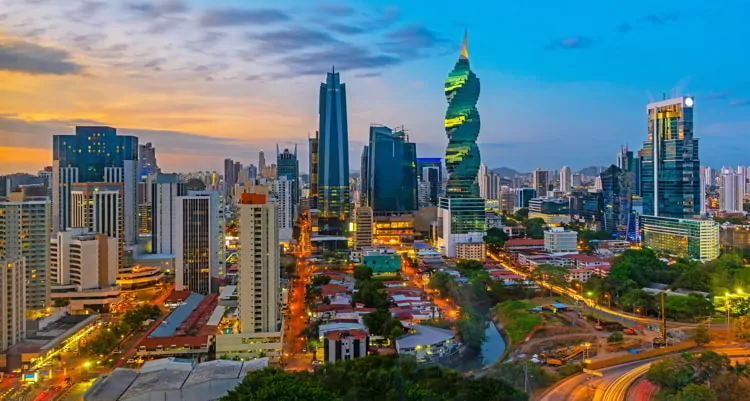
563	83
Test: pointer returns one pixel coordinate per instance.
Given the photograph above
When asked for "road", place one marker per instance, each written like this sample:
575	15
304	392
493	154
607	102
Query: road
296	318
586	387
448	308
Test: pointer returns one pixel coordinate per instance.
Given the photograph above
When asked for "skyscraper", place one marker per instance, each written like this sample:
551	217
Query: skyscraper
98	208
165	188
565	179
731	190
12	303
430	176
281	194
313	161
540	181
461	215
631	165
576	180
391	171
364	176
147	160
262	160
259	274
671	186
287	166
229	178
24	234
94	154
333	157
617	198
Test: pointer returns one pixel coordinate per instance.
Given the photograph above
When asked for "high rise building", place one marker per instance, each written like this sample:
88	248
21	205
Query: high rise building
507	199
281	194
576	180
229	178
313	160
262	160
391	171
523	196
671	186
364	176
686	238
430	176
565	180
461	215
199	243
333	157
363	223
598	183
259	274
287	167
165	189
98	207
24	236
83	259
709	176
12	303
540	181
587	206
95	154
631	165
147	160
618	212
742	185
731	190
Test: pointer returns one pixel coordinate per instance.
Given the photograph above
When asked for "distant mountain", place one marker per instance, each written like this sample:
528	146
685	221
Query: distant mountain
592	170
506	172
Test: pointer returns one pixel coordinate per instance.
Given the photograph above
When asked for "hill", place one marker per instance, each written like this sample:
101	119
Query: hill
592	170
506	172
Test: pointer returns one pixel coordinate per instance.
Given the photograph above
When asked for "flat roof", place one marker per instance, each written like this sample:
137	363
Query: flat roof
425	335
168	327
228	292
216	316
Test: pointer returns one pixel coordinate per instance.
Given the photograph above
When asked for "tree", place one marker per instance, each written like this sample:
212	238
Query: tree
521	214
320	280
59	303
275	385
495	239
368	293
696	392
671	373
554	275
535	228
638	299
443	283
471	327
362	273
467	265
375	321
701	335
693	277
614	338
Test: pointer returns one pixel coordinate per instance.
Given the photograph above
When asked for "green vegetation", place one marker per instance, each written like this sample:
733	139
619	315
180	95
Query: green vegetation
374	378
466	266
701	335
731	220
586	236
495	239
700	377
443	283
107	340
569	370
320	280
362	273
554	275
534	228
471	326
614	338
381	323
517	320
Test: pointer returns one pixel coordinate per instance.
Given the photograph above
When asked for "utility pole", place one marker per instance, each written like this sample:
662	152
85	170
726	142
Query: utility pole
663	319
526	378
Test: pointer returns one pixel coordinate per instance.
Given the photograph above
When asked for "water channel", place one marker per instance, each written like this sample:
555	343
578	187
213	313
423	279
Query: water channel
492	349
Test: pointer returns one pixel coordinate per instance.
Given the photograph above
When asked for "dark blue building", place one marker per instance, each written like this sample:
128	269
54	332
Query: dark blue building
333	158
391	171
287	166
430	178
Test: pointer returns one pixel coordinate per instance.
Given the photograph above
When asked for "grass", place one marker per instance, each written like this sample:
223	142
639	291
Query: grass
516	319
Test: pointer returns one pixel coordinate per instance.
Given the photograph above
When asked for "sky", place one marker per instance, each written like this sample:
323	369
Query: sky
563	83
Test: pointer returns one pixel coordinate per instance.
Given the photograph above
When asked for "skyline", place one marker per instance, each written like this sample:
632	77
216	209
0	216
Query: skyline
584	75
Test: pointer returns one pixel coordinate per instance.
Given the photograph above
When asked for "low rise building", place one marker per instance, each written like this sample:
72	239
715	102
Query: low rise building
470	250
342	345
559	240
382	260
696	239
427	343
250	345
523	244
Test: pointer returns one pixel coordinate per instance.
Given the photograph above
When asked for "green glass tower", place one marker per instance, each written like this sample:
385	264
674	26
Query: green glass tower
462	125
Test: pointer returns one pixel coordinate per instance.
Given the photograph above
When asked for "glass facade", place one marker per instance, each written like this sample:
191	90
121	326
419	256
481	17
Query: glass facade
688	238
587	206
287	166
92	149
670	163
333	157
430	175
462	126
391	171
467	215
617	202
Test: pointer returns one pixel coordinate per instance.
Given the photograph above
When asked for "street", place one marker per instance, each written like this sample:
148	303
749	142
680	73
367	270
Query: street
296	317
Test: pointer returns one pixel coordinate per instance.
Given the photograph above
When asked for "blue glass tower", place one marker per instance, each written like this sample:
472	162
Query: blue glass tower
333	157
94	154
391	171
287	166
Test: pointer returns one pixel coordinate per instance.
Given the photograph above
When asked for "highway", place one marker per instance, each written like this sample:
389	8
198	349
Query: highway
584	387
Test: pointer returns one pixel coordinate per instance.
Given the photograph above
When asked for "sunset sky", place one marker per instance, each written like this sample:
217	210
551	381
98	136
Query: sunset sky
563	82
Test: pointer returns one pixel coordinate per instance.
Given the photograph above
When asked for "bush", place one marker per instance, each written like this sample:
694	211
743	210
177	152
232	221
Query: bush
569	370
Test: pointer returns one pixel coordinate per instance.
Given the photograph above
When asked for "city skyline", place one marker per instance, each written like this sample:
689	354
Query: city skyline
196	112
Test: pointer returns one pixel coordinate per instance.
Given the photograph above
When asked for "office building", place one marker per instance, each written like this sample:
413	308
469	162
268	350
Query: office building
709	176
98	207
731	190
199	243
287	167
461	214
165	189
552	210
565	180
587	206
671	186
631	165
259	274
540	181
489	183
333	157
430	176
281	194
261	160
619	218
24	236
13	303
147	160
95	154
363	226
391	171
598	185
523	196
248	173
507	200
576	180
471	250
313	168
686	238
558	240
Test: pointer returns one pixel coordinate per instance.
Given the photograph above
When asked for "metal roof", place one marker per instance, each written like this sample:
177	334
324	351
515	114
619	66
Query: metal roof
175	319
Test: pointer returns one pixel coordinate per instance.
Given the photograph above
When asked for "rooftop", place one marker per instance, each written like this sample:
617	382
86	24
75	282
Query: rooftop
425	335
175	319
339	334
524	241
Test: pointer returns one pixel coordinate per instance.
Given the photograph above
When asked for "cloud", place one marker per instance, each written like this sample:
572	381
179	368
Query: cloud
346	29
409	41
739	103
575	42
663	18
30	58
297	38
335	10
239	16
157	8
625	27
368	75
344	57
717	95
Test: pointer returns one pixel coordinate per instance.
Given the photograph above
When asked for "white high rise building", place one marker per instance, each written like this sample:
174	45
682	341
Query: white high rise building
598	182
12	303
98	207
24	236
199	240
83	259
741	186
565	179
281	195
482	180
576	180
259	274
731	190
164	190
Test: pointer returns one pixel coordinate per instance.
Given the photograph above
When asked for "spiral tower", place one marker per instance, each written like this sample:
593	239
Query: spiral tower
462	125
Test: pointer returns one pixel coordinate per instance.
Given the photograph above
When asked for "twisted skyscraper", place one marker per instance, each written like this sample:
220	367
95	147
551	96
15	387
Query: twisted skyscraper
462	127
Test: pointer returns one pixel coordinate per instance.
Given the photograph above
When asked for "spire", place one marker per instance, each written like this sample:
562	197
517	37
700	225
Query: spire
464	55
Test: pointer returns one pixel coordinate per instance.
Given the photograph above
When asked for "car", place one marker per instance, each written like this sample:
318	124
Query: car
316	362
131	360
117	351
